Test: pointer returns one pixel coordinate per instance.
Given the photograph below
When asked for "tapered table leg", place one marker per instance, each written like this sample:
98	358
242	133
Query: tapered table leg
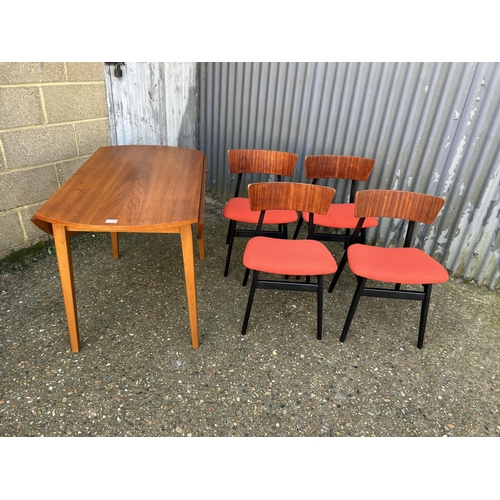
188	258
63	251
115	246
201	240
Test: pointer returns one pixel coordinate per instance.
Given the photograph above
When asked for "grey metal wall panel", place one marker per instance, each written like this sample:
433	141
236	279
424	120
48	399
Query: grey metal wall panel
471	183
431	127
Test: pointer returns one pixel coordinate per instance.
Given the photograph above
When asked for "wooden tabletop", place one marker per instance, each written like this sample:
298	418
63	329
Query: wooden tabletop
129	189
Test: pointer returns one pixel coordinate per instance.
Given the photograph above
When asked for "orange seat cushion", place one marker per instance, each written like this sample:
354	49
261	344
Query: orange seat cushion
340	215
293	257
395	265
239	209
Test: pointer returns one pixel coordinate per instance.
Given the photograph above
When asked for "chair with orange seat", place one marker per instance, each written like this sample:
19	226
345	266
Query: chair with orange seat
397	265
237	209
305	257
340	216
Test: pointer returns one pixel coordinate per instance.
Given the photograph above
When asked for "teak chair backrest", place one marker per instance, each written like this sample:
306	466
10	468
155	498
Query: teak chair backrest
404	205
353	168
261	161
290	196
338	167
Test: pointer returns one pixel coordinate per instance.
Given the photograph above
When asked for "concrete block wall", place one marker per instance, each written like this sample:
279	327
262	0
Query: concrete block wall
53	116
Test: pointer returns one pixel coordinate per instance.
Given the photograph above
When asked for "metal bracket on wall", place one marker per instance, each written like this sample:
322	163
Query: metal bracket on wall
118	68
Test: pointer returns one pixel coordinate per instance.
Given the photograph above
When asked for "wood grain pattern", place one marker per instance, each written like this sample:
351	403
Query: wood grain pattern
261	161
290	196
144	188
338	167
405	205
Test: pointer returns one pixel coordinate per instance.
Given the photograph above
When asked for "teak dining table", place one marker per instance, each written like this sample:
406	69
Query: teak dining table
137	188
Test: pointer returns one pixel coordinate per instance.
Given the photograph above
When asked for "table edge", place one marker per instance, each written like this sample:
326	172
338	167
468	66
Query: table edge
46	226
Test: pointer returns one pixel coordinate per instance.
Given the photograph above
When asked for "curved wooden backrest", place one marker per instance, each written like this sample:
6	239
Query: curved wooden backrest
261	161
405	205
338	167
290	196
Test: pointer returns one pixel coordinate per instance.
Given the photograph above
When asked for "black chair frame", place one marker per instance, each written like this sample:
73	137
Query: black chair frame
234	232
389	293
306	286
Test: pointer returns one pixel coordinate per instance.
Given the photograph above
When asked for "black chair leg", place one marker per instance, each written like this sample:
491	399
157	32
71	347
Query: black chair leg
284	229
337	274
423	315
230	241
320	308
354	304
250	301
297	229
245	279
346	243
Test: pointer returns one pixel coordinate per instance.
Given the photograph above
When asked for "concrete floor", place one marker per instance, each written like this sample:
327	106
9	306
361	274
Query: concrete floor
137	375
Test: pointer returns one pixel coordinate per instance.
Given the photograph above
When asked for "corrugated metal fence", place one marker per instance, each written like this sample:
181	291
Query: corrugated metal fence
431	127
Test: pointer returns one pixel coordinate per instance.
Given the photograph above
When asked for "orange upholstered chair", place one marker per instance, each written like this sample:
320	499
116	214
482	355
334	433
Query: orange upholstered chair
340	216
275	256
237	210
397	265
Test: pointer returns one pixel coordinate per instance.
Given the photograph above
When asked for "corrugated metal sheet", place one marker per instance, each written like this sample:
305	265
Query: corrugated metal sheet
431	127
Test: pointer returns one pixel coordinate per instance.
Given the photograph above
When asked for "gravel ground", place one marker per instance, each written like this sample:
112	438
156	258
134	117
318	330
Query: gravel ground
137	375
